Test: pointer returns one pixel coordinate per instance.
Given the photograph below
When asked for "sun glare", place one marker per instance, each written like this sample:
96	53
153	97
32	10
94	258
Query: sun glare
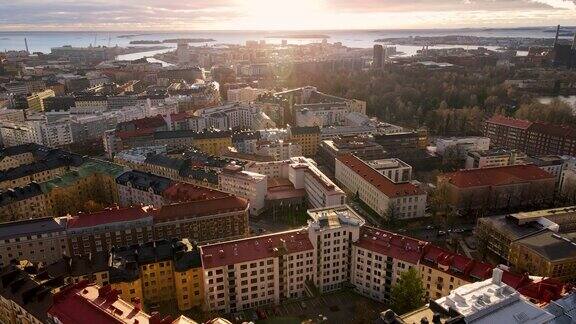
280	14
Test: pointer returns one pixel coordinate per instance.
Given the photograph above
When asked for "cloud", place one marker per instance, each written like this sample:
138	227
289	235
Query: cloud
229	14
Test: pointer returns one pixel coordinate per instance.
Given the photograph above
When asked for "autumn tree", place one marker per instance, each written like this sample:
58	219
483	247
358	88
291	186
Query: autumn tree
408	294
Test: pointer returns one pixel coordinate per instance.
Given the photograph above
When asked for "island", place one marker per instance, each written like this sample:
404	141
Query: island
188	40
303	36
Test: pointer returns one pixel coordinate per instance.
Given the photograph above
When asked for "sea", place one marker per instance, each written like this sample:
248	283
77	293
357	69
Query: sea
43	41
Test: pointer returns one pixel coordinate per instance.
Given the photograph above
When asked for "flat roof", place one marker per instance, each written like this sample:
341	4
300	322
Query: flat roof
29	227
550	245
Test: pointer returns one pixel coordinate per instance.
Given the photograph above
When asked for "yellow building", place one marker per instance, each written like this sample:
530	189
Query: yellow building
160	272
212	143
307	137
36	100
546	254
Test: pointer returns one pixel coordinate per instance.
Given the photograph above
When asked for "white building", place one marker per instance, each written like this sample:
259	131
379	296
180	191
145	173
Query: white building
379	257
394	169
244	95
403	200
235	116
320	115
279	150
303	174
492	301
249	185
462	145
257	271
494	158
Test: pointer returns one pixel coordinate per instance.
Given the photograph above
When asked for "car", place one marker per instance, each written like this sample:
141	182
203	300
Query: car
429	227
458	230
303	304
402	230
441	233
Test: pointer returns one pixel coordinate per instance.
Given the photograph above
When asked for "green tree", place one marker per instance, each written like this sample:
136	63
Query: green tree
408	293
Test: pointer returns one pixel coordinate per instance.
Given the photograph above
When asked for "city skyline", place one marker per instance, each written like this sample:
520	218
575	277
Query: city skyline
154	15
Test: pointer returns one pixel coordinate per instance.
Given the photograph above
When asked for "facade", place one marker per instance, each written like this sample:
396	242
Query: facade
159	272
249	185
534	138
384	196
244	95
36	99
136	187
498	187
24	203
494	158
361	146
547	254
100	231
307	137
36	240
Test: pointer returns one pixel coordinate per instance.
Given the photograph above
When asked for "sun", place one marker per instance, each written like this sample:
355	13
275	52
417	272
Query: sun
281	14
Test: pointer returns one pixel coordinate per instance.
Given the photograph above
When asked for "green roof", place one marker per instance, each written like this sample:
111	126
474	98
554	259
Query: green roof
92	166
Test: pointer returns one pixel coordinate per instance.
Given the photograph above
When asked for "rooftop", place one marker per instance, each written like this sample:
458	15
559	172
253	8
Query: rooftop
144	181
391	244
497	176
334	217
510	122
200	208
377	179
108	216
550	245
29	227
255	248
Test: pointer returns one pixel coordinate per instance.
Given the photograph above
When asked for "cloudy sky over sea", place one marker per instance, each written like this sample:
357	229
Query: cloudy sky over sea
103	15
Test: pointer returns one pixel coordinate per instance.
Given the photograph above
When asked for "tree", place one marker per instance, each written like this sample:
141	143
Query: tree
408	293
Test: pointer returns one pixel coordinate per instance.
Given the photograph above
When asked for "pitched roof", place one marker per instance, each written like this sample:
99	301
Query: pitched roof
553	130
255	248
510	122
496	176
377	179
391	244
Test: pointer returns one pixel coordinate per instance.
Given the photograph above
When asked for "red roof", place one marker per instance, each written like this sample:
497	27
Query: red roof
179	116
255	248
181	191
199	208
145	123
553	130
377	179
136	133
510	122
496	176
391	244
107	216
543	291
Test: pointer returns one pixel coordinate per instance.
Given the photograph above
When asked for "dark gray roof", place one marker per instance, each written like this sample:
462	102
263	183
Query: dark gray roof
510	228
550	245
144	181
20	193
305	130
166	162
29	227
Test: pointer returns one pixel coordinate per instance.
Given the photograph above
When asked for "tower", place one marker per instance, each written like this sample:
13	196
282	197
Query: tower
26	44
377	62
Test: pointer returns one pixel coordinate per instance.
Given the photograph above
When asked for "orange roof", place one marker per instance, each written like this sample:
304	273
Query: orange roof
496	176
255	248
377	179
510	122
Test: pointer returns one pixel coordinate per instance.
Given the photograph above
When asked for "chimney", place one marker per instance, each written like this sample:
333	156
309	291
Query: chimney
557	34
497	276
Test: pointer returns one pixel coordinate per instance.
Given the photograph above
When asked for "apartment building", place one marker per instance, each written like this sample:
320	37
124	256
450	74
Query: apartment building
100	231
387	198
498	187
36	99
534	138
378	258
36	240
363	147
494	158
205	220
159	272
257	271
136	187
547	254
249	185
307	137
244	95
24	203
235	116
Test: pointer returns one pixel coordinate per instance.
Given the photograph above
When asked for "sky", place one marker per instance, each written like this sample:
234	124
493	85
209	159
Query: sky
112	15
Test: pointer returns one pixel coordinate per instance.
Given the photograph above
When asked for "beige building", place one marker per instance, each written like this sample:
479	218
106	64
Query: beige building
387	198
36	100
